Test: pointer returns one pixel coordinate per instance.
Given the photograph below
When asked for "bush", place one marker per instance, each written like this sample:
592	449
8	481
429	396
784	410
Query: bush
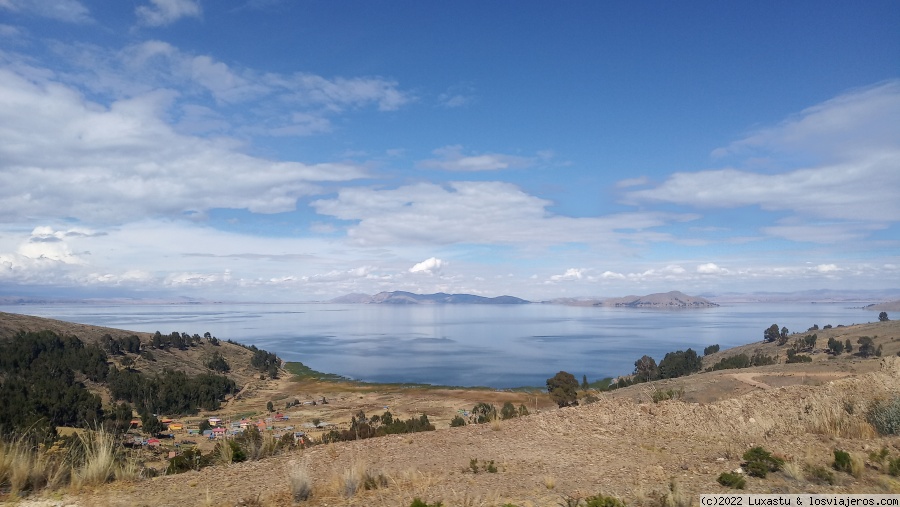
841	461
732	480
760	462
667	394
417	502
885	416
712	349
819	474
794	357
894	467
508	411
603	501
457	421
483	412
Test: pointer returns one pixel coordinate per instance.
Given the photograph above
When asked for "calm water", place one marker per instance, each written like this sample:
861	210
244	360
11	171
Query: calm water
467	345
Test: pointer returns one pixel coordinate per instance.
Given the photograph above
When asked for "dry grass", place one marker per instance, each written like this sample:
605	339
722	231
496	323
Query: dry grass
98	463
495	424
675	496
301	484
549	482
794	470
90	462
831	417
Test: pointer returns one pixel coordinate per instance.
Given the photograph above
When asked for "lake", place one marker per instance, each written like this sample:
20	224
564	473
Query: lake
463	345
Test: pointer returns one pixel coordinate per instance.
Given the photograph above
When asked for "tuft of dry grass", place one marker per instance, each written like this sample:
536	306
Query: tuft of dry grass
675	496
549	482
830	417
98	463
794	470
301	484
495	424
224	452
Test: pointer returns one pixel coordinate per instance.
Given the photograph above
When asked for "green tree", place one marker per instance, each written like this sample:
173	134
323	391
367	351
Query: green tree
712	349
270	407
783	336
866	346
883	317
771	334
645	369
679	363
848	346
584	382
563	389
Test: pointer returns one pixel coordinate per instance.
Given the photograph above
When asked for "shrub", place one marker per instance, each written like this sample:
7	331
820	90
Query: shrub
457	421
508	411
486	466
667	394
819	474
732	480
885	416
483	412
794	357
603	501
841	461
417	502
894	467
590	398
760	462
712	349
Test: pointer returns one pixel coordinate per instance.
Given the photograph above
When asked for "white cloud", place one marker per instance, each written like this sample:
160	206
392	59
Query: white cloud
827	268
428	266
70	11
711	268
453	159
165	12
850	153
477	213
570	274
61	155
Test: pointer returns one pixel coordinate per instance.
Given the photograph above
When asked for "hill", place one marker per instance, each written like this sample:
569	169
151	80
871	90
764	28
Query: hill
619	443
409	298
890	306
673	299
191	361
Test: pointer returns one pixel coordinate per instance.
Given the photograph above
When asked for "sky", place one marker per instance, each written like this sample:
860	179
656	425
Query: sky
281	150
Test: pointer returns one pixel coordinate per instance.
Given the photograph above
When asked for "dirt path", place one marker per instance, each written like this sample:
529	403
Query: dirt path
750	378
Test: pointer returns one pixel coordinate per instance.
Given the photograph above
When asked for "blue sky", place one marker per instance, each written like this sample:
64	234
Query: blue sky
287	150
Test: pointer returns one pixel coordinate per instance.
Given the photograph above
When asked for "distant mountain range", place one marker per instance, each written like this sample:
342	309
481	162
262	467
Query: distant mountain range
408	298
673	299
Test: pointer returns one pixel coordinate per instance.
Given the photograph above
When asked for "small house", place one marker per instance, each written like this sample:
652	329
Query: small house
218	432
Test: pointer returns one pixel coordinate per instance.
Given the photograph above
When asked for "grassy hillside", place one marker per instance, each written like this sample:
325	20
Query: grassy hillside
191	361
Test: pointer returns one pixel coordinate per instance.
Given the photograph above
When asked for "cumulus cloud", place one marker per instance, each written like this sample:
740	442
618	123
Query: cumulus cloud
451	158
61	154
477	212
848	152
165	12
70	11
711	268
428	266
570	274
